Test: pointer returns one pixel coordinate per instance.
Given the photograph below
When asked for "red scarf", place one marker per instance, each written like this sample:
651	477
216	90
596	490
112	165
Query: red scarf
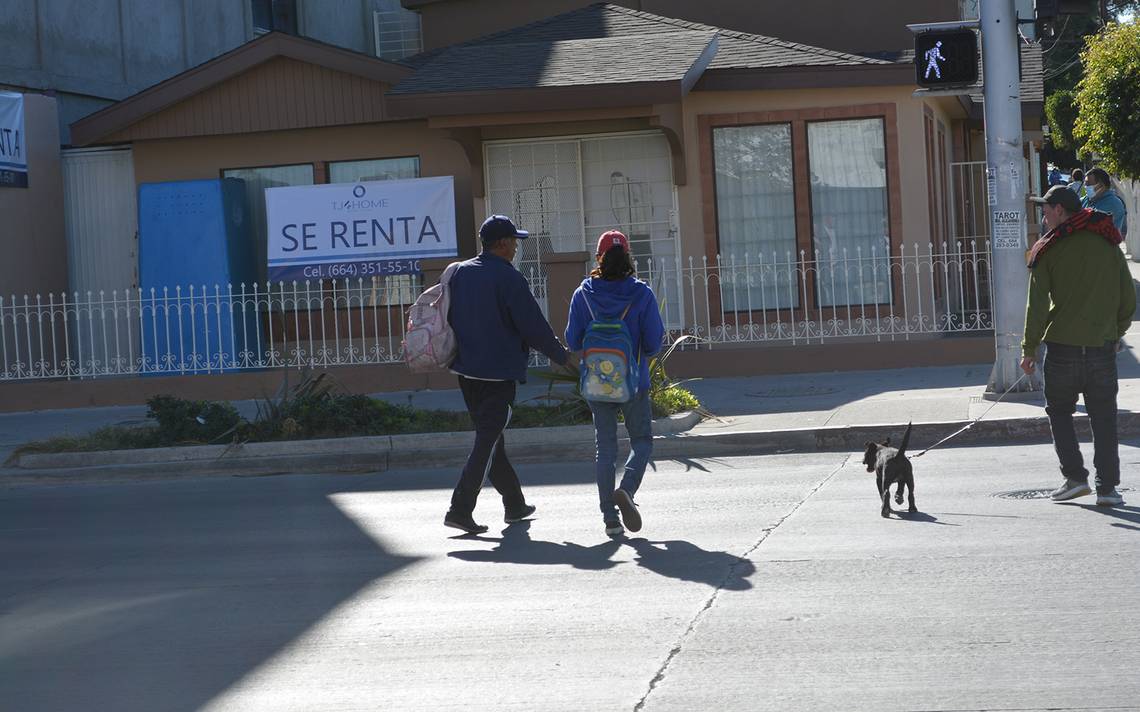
1087	219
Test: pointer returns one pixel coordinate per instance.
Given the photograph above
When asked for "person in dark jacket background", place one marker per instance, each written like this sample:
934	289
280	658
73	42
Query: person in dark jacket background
496	321
610	289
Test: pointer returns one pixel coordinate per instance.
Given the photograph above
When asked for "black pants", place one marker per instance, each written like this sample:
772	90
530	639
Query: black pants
489	403
1091	371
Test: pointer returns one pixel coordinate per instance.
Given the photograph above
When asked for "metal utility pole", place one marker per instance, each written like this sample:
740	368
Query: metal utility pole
1005	176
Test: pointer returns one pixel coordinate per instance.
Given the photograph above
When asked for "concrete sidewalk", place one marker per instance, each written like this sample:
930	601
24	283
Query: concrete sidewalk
755	414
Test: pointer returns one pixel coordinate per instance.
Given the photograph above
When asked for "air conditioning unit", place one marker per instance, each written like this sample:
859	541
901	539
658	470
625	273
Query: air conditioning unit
397	33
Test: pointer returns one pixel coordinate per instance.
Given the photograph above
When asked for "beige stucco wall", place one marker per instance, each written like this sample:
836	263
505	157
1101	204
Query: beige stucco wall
31	219
205	157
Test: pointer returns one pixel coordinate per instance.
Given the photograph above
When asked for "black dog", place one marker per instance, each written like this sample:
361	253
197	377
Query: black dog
891	466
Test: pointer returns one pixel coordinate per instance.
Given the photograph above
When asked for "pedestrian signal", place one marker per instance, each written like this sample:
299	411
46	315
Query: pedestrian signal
946	58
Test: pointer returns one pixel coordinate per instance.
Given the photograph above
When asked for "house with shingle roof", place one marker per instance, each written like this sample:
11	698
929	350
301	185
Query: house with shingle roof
777	195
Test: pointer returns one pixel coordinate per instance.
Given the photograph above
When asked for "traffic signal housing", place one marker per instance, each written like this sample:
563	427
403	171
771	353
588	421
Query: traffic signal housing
946	58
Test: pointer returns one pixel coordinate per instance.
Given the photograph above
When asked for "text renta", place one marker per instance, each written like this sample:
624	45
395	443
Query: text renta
360	233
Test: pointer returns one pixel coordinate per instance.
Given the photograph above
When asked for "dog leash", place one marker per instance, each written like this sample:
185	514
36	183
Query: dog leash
975	420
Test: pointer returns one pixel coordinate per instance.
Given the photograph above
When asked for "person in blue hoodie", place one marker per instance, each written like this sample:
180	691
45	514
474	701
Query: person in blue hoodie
1102	197
497	322
608	291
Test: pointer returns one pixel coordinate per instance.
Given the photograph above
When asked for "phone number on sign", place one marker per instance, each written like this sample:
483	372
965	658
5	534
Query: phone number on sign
362	269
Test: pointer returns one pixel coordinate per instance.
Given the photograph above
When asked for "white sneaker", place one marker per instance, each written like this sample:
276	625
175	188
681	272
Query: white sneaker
1070	489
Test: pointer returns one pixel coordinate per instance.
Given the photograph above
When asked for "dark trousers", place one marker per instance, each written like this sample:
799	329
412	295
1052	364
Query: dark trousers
1089	370
489	403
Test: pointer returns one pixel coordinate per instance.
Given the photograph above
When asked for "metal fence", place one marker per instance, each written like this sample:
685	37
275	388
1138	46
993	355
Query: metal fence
744	299
805	298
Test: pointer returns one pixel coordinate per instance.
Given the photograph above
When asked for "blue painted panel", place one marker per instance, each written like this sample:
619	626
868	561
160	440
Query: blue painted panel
194	240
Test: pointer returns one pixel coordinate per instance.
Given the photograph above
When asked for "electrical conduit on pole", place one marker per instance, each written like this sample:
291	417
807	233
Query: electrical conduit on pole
1006	182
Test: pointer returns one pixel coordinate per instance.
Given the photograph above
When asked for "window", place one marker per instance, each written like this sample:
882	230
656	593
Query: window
568	191
397	33
377	169
850	227
256	181
274	15
756	211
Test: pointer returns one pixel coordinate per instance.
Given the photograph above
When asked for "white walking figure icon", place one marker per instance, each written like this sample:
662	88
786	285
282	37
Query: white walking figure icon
933	57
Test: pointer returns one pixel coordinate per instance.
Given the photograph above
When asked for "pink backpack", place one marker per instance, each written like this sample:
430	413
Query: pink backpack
429	342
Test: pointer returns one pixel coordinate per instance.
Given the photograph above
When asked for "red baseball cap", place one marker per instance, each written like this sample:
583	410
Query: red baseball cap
612	238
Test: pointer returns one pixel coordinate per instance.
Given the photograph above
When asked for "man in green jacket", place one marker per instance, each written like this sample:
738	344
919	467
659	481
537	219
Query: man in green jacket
1081	301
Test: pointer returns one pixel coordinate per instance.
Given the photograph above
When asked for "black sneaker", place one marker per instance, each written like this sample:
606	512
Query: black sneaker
629	514
464	522
614	528
517	514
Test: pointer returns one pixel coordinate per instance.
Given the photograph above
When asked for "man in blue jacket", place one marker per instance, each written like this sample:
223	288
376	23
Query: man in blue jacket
496	322
1102	197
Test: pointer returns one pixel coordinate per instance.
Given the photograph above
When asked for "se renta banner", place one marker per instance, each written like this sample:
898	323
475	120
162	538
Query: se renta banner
359	230
13	156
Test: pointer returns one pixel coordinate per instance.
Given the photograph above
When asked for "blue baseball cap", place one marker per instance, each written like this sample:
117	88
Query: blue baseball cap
498	227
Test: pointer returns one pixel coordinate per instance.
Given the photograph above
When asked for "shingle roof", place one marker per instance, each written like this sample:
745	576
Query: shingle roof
634	38
503	64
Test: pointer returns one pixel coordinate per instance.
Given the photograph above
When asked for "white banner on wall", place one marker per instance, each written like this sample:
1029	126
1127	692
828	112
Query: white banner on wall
359	230
13	156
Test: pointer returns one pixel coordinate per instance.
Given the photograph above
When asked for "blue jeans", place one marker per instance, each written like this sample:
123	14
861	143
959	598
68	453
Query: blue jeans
1089	370
639	423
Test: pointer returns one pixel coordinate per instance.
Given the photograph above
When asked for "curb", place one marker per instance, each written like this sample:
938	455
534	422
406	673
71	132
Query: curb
532	445
357	454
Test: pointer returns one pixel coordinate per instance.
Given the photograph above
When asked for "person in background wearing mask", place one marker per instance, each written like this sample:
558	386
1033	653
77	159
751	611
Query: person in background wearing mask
612	291
1102	197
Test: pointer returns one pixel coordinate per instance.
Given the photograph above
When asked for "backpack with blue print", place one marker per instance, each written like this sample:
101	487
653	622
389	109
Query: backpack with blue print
610	369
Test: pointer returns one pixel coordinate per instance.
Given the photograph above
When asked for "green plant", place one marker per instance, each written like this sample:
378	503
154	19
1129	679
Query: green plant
666	396
1109	99
180	420
1061	113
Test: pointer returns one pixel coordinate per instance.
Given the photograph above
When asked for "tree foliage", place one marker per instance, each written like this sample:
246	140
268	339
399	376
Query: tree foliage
1061	113
1109	99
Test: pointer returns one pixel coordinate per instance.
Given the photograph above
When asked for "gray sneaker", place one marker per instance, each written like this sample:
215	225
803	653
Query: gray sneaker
614	528
1070	489
1109	499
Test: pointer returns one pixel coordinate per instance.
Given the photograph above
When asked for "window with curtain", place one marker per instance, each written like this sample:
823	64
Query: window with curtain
256	181
756	214
850	221
374	169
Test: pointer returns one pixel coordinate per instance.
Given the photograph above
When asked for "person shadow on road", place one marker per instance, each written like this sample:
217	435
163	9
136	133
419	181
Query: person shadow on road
517	547
676	559
686	561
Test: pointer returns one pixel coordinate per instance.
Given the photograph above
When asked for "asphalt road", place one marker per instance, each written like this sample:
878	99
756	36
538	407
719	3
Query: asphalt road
757	584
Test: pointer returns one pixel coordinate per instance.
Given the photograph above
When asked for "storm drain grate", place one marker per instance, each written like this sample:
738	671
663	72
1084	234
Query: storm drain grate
1036	493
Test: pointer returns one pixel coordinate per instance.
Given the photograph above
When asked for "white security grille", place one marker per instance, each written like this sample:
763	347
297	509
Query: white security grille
568	191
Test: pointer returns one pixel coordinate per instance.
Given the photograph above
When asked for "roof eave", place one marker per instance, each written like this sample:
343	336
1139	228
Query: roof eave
558	98
805	77
101	124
